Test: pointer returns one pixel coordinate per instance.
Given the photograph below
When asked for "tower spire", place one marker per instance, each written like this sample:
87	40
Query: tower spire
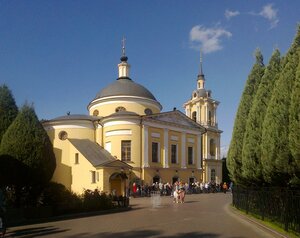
201	61
200	78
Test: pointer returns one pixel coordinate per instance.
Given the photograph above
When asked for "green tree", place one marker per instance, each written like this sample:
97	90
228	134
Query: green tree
251	155
277	160
27	141
234	159
8	109
294	127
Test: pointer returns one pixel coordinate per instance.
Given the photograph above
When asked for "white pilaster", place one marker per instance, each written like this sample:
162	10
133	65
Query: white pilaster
183	159
215	114
199	165
166	149
146	149
206	113
198	114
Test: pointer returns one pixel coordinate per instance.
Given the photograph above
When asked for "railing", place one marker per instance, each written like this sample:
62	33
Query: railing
278	205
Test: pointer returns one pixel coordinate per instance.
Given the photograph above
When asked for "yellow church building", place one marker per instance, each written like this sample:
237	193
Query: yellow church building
127	138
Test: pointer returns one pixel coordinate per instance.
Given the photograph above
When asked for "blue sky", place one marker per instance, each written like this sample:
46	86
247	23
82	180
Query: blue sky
59	54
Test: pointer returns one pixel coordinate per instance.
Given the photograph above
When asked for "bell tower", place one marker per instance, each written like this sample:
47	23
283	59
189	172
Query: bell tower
202	108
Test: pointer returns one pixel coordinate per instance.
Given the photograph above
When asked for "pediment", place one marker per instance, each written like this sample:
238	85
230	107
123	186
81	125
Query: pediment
175	118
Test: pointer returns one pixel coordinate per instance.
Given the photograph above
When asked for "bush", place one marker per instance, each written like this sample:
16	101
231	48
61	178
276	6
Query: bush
95	200
61	199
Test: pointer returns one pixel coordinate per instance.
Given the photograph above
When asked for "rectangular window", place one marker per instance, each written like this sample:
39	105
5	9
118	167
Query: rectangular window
173	154
125	150
190	155
155	152
76	158
93	173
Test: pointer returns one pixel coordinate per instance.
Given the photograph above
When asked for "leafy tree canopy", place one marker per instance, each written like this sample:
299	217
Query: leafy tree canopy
27	141
234	161
251	155
8	109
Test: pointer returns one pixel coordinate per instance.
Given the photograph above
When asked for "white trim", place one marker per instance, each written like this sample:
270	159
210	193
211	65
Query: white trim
174	138
191	140
146	149
166	149
118	133
116	123
172	128
68	127
126	99
155	135
199	146
183	159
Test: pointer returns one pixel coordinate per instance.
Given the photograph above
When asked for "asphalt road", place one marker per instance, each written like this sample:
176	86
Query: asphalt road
202	215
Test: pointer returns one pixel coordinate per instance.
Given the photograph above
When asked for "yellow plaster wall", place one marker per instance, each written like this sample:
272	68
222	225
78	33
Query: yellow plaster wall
61	148
135	139
166	175
137	107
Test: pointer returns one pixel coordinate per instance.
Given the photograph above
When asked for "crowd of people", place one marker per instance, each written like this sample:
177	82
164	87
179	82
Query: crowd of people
167	189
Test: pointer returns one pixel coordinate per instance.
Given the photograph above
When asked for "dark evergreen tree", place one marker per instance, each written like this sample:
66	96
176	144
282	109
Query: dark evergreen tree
251	155
27	141
8	109
277	160
234	159
294	127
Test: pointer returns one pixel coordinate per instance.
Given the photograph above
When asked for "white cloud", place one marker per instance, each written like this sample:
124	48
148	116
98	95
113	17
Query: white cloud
229	14
270	14
208	39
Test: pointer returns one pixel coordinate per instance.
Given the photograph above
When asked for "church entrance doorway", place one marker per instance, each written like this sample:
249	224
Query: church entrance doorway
117	184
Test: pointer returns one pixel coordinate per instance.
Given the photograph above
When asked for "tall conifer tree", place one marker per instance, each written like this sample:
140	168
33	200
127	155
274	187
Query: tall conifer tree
8	109
277	160
27	141
294	129
234	160
251	155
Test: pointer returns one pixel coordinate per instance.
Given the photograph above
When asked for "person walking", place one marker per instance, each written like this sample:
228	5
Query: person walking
225	187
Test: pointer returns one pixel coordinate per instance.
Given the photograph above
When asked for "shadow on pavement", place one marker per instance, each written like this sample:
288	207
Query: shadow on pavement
145	233
36	231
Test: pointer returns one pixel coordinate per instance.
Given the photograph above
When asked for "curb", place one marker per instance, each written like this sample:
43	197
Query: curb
256	222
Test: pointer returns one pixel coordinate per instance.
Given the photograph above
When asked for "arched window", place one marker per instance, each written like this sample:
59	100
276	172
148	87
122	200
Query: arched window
119	109
175	179
96	113
194	116
209	118
156	179
212	147
213	175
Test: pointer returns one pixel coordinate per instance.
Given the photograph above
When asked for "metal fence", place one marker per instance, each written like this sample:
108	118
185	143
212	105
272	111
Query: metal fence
278	205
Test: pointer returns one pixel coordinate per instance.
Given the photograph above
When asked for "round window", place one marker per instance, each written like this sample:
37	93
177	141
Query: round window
148	111
63	135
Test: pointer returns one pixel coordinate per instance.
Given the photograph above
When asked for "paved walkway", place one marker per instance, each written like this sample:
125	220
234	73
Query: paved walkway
202	215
